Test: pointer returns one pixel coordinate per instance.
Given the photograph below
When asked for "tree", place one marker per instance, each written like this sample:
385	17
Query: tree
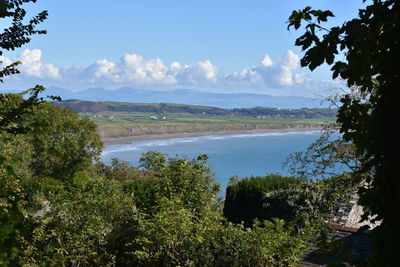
12	227
300	202
326	157
122	170
11	204
184	226
62	142
18	33
76	221
13	107
12	37
330	155
307	202
370	46
191	180
244	200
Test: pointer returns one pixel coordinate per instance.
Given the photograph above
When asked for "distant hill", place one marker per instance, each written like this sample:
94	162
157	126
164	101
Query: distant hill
161	108
188	97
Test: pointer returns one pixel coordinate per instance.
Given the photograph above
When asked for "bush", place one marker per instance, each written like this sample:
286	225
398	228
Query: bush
272	243
244	200
306	202
75	222
299	201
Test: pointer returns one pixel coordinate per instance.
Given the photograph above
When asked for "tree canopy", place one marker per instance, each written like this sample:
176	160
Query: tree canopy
12	219
19	32
365	52
59	206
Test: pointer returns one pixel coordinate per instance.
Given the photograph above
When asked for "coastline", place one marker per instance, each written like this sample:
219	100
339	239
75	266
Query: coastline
137	138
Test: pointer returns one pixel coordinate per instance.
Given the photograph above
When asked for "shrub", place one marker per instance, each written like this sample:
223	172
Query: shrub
244	200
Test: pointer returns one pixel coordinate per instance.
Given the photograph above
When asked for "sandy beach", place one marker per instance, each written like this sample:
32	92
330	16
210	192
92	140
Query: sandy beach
136	138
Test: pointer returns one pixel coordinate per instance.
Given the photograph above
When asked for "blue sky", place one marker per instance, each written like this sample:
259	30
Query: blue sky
204	45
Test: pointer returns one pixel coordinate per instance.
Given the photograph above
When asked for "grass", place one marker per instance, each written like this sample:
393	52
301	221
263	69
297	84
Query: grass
186	118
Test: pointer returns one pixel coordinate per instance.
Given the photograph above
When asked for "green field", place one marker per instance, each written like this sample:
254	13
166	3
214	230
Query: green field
117	119
187	118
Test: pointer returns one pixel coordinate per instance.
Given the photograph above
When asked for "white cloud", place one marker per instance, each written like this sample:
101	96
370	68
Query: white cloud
244	77
103	68
32	65
289	64
203	72
5	61
281	76
266	61
291	60
135	69
281	73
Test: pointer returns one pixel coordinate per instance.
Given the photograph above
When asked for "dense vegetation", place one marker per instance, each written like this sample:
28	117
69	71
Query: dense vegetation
294	200
60	206
245	198
364	52
65	208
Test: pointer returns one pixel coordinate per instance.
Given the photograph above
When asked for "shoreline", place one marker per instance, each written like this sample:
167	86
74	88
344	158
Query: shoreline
137	138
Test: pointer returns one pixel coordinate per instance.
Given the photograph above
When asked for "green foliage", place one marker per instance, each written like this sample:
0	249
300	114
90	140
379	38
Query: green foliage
39	139
76	221
244	199
308	202
18	33
13	107
369	45
12	220
12	227
168	237
324	158
180	224
166	216
174	238
63	143
61	208
153	161
144	191
272	243
121	170
299	201
190	180
17	151
177	205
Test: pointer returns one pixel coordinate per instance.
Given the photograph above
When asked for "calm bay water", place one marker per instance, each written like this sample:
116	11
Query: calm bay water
240	154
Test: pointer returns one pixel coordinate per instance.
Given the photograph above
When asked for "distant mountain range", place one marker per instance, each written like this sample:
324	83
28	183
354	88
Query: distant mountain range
188	97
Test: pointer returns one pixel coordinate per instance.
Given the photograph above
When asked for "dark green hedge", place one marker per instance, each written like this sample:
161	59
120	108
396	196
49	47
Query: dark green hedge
244	200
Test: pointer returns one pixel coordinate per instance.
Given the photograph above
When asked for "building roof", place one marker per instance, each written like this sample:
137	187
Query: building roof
346	241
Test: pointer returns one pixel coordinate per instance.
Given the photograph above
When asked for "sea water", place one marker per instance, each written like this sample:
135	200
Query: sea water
243	155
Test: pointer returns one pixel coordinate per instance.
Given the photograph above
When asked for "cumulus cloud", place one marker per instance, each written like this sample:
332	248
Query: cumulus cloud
281	76
266	61
282	73
204	72
133	69
32	65
245	77
271	76
5	61
290	64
